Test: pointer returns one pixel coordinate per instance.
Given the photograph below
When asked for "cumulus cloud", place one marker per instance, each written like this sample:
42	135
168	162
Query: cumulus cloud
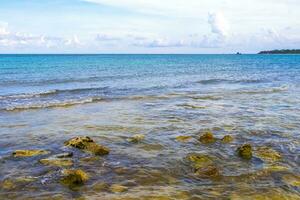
218	23
12	39
103	37
159	42
73	41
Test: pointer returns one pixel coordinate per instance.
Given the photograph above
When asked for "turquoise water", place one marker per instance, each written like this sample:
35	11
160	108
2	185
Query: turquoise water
48	99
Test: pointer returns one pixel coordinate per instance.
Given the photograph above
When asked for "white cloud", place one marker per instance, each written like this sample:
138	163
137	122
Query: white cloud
74	41
218	23
159	42
19	40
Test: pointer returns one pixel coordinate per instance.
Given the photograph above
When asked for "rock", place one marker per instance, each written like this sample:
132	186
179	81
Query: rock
292	180
152	147
136	138
29	153
207	138
89	159
199	160
115	188
64	155
74	177
60	160
208	171
227	139
183	138
276	168
7	184
245	151
87	144
203	166
100	187
267	154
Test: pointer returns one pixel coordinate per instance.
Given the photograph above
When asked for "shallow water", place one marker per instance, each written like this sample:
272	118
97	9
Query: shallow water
48	99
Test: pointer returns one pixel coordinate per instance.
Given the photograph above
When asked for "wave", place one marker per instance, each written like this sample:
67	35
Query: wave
53	104
49	92
28	95
265	91
220	81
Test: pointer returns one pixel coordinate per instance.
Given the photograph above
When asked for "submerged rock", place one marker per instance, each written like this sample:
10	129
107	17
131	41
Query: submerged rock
100	187
292	180
136	138
183	138
115	188
57	162
208	171
7	184
245	151
29	153
60	160
152	147
203	165
267	154
74	177
227	139
207	138
87	144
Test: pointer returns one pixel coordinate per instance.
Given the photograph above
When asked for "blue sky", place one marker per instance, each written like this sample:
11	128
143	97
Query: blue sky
148	26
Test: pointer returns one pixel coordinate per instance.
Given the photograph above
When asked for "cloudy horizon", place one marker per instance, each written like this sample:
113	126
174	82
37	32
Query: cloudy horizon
140	26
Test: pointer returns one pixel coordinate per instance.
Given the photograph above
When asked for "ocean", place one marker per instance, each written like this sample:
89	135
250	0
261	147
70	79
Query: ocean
46	100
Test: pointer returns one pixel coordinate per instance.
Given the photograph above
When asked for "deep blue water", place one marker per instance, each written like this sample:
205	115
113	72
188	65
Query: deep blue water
34	81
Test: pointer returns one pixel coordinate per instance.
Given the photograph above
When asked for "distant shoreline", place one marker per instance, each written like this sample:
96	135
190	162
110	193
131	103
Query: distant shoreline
283	51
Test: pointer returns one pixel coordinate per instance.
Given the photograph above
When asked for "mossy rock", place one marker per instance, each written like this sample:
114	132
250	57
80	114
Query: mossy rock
245	151
199	160
73	178
100	187
227	139
59	160
208	171
207	138
183	138
292	180
62	162
7	184
90	159
203	165
116	188
87	144
276	168
136	138
267	154
29	153
152	147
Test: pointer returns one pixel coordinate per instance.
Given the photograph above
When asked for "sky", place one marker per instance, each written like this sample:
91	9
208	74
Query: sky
148	26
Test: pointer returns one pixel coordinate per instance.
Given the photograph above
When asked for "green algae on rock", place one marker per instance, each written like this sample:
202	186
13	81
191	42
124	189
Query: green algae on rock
116	188
7	184
203	165
29	153
207	138
292	180
183	138
136	138
227	139
74	177
100	187
245	151
267	154
87	144
60	160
